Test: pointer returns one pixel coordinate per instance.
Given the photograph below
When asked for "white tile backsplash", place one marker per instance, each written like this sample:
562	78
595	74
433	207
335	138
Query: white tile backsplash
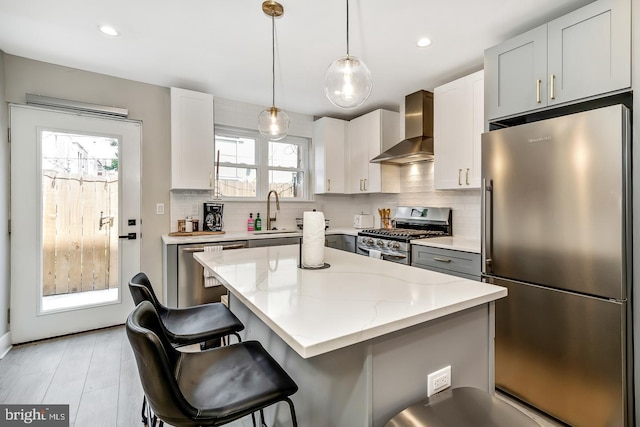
417	190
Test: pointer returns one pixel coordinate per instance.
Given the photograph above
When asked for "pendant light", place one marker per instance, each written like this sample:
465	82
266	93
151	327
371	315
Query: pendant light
347	82
273	123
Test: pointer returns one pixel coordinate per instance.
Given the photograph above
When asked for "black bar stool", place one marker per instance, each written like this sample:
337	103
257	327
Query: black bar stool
186	326
207	388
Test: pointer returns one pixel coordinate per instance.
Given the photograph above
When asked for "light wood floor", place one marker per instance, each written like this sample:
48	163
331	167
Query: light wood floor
94	372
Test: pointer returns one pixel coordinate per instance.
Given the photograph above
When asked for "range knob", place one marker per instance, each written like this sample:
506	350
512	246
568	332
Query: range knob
393	245
369	241
380	243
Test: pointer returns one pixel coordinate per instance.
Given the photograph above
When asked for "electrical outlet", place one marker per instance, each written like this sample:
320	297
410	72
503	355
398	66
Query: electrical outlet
438	380
194	209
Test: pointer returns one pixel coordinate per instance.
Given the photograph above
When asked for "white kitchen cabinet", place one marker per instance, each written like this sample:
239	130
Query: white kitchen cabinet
192	140
329	144
582	54
458	126
369	135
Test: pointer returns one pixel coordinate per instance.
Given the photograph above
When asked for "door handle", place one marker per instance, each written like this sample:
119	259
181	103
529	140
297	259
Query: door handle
486	231
129	236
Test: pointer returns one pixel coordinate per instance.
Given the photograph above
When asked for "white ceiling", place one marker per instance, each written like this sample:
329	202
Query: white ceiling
223	47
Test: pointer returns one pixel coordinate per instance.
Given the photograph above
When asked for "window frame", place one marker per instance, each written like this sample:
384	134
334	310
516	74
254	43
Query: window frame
262	162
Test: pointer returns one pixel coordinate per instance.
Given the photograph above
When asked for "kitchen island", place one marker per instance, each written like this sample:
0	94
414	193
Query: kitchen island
359	337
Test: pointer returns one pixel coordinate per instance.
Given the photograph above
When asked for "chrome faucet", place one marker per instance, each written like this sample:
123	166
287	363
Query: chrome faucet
269	219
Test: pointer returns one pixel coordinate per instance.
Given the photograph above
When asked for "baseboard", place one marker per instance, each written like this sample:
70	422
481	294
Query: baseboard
5	344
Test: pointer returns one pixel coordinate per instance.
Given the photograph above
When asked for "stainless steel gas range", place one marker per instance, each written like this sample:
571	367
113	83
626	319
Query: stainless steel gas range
394	244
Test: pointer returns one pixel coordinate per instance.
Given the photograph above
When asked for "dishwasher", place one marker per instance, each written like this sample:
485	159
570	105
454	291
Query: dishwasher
191	290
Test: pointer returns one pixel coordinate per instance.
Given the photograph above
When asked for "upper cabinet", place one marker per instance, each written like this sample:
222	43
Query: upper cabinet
329	144
370	135
192	140
582	54
458	126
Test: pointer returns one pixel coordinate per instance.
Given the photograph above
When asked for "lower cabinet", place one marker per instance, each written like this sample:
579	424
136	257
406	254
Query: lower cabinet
344	242
455	263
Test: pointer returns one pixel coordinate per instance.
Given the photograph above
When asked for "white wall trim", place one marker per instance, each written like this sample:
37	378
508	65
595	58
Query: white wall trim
5	344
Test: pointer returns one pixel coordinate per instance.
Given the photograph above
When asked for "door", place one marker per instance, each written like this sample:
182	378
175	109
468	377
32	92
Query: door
452	134
515	73
564	353
358	169
557	185
590	51
69	268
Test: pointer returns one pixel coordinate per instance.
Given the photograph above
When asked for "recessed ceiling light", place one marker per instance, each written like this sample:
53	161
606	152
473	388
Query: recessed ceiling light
108	30
424	42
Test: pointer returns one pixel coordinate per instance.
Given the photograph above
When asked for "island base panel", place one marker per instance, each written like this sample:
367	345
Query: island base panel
365	384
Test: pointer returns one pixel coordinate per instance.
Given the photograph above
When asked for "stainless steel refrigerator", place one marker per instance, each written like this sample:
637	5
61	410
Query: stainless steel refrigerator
556	231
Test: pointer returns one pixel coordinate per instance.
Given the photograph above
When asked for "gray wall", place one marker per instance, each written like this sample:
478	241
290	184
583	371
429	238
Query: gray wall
4	206
145	102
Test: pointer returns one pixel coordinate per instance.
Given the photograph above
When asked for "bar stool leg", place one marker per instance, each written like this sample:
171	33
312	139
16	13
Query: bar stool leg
145	420
293	412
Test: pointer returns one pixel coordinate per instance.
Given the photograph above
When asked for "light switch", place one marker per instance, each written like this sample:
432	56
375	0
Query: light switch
159	208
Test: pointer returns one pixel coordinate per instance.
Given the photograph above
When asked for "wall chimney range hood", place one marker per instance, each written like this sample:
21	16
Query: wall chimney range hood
418	129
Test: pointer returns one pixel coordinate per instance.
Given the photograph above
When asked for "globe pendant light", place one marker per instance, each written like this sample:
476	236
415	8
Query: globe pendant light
347	82
273	123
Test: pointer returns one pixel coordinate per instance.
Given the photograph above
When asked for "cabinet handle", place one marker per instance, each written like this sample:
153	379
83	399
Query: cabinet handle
365	184
210	179
360	185
437	258
552	93
328	185
459	176
538	83
467	177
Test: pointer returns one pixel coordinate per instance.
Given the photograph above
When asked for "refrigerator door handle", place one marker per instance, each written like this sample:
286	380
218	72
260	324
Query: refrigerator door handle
487	224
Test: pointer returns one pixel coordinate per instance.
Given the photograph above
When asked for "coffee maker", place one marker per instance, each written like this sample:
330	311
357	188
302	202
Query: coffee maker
212	216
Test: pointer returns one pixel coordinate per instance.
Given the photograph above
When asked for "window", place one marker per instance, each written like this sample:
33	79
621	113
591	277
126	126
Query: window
250	166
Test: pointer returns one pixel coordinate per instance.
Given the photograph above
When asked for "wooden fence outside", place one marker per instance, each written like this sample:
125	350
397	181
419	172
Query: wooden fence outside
79	255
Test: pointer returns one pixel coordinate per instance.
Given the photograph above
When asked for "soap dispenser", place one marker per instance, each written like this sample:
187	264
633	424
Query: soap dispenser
250	223
258	222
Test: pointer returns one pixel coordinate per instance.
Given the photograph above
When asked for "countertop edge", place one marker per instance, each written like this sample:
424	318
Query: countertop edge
246	235
453	243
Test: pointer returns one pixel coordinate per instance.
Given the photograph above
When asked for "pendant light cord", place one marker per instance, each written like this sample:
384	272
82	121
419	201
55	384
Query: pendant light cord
273	61
347	28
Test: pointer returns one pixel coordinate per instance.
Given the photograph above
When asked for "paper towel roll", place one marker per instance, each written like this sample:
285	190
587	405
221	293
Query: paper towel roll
313	239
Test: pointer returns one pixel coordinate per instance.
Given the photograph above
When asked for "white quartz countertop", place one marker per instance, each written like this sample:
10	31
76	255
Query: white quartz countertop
451	242
249	235
356	299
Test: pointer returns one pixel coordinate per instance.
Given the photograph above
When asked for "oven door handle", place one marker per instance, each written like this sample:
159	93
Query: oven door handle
383	255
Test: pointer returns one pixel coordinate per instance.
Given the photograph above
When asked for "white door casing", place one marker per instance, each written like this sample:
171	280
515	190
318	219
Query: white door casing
27	321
